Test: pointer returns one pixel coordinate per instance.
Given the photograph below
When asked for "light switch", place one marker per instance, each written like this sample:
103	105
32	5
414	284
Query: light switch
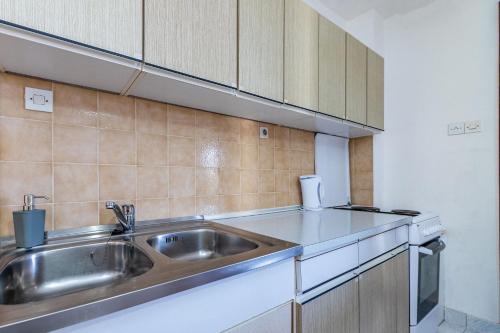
473	126
456	128
38	99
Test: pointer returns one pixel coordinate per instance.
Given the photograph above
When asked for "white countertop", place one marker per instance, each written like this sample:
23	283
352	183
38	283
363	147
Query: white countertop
318	231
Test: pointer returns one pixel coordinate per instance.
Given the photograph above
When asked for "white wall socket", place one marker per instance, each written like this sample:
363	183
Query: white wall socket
38	99
473	126
456	128
264	133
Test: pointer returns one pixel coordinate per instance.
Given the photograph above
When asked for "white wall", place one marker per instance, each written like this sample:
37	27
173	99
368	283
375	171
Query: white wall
442	67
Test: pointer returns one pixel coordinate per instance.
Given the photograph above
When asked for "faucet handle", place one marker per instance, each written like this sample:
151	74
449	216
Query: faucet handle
129	212
128	209
110	204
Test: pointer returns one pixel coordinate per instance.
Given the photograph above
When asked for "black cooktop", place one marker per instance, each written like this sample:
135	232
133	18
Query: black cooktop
408	212
378	210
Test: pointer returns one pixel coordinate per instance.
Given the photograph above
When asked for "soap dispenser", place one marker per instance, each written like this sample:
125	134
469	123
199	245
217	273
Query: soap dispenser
29	223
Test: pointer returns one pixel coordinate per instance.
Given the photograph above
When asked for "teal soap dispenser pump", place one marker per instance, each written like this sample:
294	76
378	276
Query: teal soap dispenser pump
29	223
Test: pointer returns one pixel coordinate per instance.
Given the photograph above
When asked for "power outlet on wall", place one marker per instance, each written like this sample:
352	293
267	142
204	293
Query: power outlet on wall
456	128
467	127
264	133
473	126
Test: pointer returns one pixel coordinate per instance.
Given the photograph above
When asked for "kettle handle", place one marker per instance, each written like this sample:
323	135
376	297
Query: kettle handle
321	192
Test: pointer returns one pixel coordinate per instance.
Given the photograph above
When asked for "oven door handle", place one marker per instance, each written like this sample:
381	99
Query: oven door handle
433	248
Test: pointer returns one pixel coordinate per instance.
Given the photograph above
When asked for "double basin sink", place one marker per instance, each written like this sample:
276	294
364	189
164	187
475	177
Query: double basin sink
45	274
168	257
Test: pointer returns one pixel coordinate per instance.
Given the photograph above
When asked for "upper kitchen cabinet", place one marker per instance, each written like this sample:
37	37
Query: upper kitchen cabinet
332	68
261	47
375	91
301	55
112	25
197	38
355	80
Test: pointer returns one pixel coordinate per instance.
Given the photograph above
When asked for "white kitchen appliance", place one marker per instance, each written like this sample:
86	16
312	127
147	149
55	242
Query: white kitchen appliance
312	192
426	243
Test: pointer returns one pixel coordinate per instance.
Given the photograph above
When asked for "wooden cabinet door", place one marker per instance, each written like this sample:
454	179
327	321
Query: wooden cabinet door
113	25
402	273
194	37
355	80
375	90
301	55
384	297
377	299
336	311
261	47
277	320
332	61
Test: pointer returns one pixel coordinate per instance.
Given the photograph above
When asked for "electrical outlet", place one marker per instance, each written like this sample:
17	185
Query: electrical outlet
473	126
38	99
456	128
264	133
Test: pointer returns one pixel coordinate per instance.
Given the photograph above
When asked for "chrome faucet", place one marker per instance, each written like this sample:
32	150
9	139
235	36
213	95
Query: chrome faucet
124	215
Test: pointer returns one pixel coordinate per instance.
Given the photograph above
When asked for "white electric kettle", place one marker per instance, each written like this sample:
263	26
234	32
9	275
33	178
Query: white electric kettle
312	192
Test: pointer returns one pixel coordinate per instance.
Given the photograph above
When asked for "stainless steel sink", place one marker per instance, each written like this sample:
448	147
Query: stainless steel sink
200	244
77	275
40	275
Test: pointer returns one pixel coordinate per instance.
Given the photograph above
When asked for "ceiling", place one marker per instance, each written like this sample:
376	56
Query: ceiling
350	9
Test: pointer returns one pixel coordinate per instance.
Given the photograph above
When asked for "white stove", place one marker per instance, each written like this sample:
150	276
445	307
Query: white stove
425	227
426	244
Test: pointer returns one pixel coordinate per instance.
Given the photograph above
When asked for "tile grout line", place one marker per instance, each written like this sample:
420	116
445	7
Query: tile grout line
26	119
53	222
196	168
240	170
98	160
136	157
167	157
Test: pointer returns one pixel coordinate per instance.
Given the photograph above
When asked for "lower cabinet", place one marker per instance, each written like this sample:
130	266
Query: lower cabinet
334	311
277	320
384	297
375	302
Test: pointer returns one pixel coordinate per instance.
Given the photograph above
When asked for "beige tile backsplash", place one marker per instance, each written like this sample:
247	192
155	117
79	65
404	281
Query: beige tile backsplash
167	160
361	170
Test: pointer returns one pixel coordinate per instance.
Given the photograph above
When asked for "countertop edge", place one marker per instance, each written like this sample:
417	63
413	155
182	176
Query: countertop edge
333	244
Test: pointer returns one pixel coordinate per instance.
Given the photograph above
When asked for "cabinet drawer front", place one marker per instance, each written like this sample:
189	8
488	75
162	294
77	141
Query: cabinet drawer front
322	268
377	245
